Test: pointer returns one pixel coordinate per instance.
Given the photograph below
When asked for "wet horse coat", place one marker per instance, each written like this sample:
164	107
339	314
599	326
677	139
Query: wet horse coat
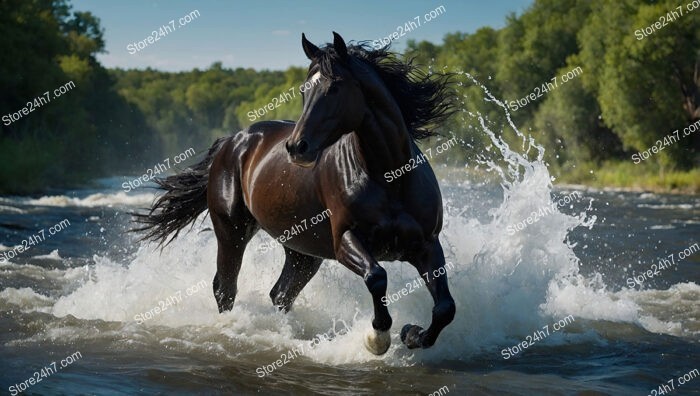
360	118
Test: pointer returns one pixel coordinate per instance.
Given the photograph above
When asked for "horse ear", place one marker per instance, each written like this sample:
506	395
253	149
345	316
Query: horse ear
339	45
310	50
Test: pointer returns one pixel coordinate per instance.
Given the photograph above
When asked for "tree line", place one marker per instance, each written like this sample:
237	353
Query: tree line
82	128
572	73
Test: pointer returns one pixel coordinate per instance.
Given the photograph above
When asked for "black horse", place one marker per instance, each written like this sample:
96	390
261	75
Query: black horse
360	119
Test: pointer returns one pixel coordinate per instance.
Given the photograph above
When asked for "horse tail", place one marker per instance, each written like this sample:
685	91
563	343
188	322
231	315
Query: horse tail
185	198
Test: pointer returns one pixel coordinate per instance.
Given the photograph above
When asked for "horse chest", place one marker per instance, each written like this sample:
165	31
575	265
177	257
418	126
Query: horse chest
388	224
397	233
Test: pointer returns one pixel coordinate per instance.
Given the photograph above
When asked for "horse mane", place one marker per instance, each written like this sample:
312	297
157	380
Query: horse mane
424	99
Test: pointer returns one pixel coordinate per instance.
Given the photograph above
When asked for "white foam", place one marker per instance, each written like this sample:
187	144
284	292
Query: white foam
667	206
505	286
51	256
95	200
67	278
662	227
25	299
11	209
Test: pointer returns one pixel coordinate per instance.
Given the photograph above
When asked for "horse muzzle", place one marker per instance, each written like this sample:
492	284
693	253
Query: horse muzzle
300	154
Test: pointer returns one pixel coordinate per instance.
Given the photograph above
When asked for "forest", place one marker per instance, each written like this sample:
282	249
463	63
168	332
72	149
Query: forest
595	82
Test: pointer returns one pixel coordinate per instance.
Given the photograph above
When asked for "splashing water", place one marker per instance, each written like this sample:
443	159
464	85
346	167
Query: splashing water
505	285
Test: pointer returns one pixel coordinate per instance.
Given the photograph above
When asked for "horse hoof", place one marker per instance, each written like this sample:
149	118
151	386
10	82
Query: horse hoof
411	336
377	342
225	304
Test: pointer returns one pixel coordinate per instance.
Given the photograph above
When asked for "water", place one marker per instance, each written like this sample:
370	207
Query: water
80	290
144	321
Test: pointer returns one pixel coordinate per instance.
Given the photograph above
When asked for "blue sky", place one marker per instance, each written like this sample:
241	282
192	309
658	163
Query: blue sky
267	34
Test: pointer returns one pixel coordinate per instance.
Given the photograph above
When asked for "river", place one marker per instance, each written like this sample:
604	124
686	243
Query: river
563	303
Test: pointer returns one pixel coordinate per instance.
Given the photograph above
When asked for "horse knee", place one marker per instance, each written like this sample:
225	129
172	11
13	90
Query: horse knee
376	281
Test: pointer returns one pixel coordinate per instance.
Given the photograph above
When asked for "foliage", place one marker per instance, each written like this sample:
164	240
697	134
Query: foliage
627	175
73	136
630	92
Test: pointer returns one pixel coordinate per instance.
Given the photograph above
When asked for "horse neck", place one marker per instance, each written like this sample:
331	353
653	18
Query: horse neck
384	139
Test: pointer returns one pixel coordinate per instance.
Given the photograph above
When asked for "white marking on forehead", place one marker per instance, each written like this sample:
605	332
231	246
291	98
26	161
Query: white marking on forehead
314	79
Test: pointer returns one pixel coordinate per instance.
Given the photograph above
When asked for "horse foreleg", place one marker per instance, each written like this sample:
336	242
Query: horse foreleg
297	272
353	254
431	265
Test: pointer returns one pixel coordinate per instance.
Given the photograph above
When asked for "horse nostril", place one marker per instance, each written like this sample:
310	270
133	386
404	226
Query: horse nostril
302	146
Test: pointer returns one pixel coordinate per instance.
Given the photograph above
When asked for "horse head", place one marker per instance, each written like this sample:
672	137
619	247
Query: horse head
333	103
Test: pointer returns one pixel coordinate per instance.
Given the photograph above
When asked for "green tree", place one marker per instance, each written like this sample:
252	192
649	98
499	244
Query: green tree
64	139
647	87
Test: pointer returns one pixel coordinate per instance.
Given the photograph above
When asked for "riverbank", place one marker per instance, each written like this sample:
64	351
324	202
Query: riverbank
631	177
609	176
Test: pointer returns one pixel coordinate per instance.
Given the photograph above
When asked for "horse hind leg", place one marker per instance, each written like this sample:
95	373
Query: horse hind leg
234	227
298	270
232	237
